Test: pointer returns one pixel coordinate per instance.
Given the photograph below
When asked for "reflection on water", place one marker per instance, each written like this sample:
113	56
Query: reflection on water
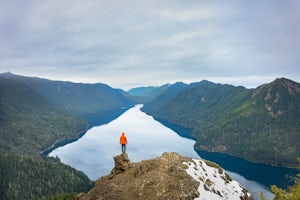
147	138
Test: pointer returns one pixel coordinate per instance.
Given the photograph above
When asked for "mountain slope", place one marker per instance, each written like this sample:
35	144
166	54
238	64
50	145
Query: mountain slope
168	92
197	104
77	98
146	94
27	178
261	125
266	128
169	176
142	91
29	123
34	114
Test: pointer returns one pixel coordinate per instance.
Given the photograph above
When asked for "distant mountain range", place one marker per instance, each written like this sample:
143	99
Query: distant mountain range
76	98
260	125
49	111
34	114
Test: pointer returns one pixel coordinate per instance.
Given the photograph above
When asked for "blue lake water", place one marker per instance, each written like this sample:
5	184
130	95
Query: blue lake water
147	138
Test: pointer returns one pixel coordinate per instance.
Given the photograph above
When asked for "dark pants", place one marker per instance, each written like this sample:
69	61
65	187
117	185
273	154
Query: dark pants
123	148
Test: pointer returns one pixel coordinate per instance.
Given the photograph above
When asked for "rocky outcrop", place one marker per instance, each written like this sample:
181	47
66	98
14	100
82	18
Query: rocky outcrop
169	176
122	163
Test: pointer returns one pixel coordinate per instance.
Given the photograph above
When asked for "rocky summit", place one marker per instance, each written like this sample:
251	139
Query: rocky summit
169	176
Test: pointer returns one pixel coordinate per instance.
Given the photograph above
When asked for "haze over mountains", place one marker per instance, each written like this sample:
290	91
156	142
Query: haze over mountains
260	125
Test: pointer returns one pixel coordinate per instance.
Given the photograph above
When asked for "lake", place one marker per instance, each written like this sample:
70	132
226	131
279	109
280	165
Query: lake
147	138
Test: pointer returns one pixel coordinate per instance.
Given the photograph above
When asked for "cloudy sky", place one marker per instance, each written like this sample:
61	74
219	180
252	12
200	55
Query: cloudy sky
129	43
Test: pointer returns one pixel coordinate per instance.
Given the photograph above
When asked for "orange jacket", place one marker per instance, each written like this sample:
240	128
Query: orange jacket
123	139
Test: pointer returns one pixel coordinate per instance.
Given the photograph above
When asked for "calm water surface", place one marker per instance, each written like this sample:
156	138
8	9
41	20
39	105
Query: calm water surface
147	138
93	153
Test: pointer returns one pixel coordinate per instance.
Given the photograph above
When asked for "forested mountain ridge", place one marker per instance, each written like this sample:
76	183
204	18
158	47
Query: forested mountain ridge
261	125
142	91
45	111
34	114
266	128
78	98
163	94
196	104
29	123
146	94
23	177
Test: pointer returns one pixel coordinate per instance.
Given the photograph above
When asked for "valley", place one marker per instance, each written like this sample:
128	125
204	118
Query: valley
260	125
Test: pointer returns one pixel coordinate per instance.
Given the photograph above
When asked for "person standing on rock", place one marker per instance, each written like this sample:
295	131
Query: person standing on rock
123	142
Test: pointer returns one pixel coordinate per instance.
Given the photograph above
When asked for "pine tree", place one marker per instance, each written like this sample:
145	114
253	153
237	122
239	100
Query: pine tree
292	193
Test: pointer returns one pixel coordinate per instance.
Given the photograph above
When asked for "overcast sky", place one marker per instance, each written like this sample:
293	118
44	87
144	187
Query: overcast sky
130	43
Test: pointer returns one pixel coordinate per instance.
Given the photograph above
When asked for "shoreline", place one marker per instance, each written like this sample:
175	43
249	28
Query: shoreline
187	133
102	118
246	160
63	142
236	164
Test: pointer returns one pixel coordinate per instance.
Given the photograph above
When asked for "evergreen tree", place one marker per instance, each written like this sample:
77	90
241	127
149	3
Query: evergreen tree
292	193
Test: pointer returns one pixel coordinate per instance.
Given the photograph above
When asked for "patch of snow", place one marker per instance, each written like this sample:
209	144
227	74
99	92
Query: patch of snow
214	183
